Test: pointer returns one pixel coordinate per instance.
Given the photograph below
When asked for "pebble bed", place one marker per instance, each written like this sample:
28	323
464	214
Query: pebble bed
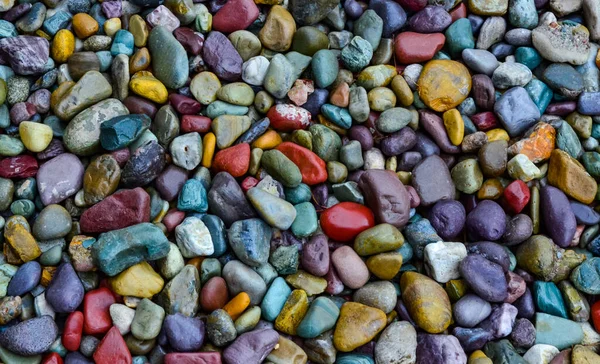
299	181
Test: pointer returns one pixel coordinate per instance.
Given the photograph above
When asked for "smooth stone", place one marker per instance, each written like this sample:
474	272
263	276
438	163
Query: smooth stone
249	240
193	238
470	310
53	222
357	325
425	173
80	96
240	278
25	279
320	317
485	278
59	178
417	288
440	348
253	346
563	42
556	331
480	61
227	199
274	210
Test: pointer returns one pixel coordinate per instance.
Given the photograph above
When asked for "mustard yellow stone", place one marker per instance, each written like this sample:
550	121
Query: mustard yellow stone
63	46
150	88
405	177
139	61
139	280
278	31
307	282
402	90
22	242
139	28
357	325
570	176
376	76
292	313
583	355
268	140
84	25
479	357
208	151
455	126
385	266
444	84
488	7
47	274
204	87
426	301
41	33
35	136
497	134
456	288
491	189
112	26
323	120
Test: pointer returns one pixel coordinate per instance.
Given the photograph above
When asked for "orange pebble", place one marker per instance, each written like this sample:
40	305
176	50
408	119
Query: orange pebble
268	140
237	305
84	25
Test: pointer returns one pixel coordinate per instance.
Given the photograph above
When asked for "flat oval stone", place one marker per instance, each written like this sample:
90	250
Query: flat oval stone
386	195
31	337
53	222
59	178
484	277
25	279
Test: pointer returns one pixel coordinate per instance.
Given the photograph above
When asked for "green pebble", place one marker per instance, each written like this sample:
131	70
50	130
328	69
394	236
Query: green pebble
248	320
23	207
326	143
26	188
357	54
285	259
540	94
210	268
52	256
369	27
219	108
305	223
467	176
320	317
568	141
336	172
351	155
309	40
324	68
459	36
591	162
348	192
281	168
10	146
169	58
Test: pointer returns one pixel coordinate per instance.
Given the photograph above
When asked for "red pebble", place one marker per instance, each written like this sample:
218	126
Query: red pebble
22	166
190	40
288	117
173	218
411	47
197	123
248	183
52	358
516	196
345	220
117	211
96	306
412	5
214	294
140	105
313	168
596	315
112	349
71	337
235	15
193	358
485	121
185	105
234	160
459	12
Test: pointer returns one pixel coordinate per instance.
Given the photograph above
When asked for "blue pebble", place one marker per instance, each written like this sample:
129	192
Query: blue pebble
122	43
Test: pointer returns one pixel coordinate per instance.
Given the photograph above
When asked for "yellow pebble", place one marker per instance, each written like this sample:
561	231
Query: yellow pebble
268	140
41	33
479	357
444	84
323	120
139	28
455	126
497	134
491	189
204	87
405	177
139	280
35	136
63	46
237	305
402	90
381	99
150	88
209	142
22	242
84	25
427	303
456	288
357	325
385	266
47	274
292	313
111	26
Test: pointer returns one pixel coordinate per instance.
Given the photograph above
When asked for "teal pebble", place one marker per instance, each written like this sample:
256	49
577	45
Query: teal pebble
122	43
548	299
10	146
540	94
305	223
298	194
568	141
274	299
528	56
121	131
326	142
459	36
193	197
337	115
26	189
586	276
23	207
557	331
419	234
591	162
324	68
58	126
285	259
105	59
354	359
470	128
406	250
370	27
209	268
441	55
219	108
320	317
523	14
7	29
357	54
4	117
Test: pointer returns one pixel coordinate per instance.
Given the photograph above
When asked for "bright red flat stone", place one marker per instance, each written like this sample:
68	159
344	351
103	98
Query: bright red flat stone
112	349
21	166
596	315
117	211
235	15
516	196
71	337
485	121
197	123
411	47
342	222
193	358
96	305
288	117
312	168
52	358
234	160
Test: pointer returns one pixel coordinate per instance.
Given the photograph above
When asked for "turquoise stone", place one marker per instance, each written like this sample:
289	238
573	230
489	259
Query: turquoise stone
22	207
274	299
298	194
58	126
324	68
459	36
540	94
406	250
441	55
105	59
586	276
320	317
528	56
354	359
26	188
10	146
118	250
60	20
568	141
591	162
219	108
557	331
470	128
193	197
305	223
121	131
7	29
217	231
122	43
337	115
548	299
595	131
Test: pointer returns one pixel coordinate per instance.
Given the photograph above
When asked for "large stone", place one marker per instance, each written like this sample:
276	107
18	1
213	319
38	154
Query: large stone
169	58
28	55
90	89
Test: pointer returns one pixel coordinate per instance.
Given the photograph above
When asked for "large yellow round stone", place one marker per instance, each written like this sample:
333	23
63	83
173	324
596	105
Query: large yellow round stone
139	280
444	84
358	324
63	46
149	87
426	301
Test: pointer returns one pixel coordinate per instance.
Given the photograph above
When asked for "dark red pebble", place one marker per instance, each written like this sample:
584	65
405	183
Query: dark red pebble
52	358
516	196
485	121
71	337
342	222
96	305
112	349
22	166
248	183
190	40
139	105
412	5
193	358
185	105
197	123
235	15
117	211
